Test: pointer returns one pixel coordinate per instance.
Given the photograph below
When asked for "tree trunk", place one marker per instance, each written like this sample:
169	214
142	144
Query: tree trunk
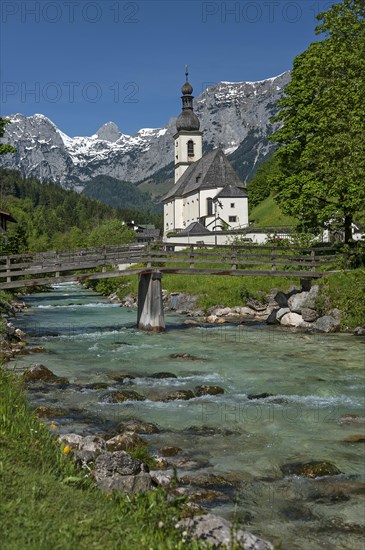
348	228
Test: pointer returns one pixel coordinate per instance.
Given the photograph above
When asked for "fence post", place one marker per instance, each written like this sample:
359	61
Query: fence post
233	260
8	272
313	257
192	259
57	263
148	249
103	269
273	259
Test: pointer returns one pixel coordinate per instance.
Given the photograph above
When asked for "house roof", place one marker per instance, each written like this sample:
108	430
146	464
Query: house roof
211	171
195	228
231	191
7	216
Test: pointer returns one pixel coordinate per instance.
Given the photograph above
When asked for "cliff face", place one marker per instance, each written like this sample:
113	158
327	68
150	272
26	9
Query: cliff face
235	115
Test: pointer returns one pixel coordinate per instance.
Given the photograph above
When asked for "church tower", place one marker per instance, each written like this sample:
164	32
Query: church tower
188	139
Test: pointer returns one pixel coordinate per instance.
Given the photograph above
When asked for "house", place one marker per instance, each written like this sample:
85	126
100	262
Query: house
5	217
207	192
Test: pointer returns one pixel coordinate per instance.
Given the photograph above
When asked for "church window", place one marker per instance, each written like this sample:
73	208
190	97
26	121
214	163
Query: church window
197	179
232	218
190	148
209	206
232	204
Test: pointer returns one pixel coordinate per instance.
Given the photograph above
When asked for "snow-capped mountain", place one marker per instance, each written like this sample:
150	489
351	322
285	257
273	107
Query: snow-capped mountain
235	115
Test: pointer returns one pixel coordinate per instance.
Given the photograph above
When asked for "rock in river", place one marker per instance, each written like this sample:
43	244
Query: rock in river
122	395
38	372
179	394
220	533
138	426
124	442
208	390
312	469
163	375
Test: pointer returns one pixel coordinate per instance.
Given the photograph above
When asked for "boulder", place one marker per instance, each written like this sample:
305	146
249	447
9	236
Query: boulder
219	532
72	440
327	324
259	395
291	320
169	451
281	312
208	390
221	312
281	299
122	376
122	395
312	469
179	394
336	313
357	438
309	315
139	427
19	334
108	464
359	331
244	311
124	442
302	300
256	305
49	412
212	319
163	479
272	318
38	372
131	484
92	443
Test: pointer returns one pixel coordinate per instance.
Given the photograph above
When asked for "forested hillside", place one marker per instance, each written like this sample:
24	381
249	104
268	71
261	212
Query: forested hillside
120	194
50	217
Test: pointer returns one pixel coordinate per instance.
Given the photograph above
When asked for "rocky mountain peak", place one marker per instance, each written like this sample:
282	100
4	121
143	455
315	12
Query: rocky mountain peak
109	132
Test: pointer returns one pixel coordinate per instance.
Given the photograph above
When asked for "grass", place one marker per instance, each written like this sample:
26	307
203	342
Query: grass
47	503
212	290
269	214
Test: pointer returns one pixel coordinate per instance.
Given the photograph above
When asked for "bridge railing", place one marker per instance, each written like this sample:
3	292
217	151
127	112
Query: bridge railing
82	263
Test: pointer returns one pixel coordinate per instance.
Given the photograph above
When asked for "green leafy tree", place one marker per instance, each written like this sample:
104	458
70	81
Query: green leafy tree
321	177
4	148
111	232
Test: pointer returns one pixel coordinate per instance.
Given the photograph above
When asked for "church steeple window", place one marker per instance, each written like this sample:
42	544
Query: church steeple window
190	148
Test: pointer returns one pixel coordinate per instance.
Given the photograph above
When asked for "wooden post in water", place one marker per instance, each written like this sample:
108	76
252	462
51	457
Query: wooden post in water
150	307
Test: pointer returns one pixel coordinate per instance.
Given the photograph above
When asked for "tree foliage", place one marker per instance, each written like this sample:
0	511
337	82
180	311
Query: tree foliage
50	217
322	154
4	148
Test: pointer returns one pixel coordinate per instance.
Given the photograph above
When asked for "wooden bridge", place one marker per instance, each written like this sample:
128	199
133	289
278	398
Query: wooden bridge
150	262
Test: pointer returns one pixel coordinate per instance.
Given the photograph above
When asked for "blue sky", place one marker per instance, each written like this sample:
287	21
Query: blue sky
83	63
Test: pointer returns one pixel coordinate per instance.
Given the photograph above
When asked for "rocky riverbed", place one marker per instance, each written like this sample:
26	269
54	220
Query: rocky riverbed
297	308
190	398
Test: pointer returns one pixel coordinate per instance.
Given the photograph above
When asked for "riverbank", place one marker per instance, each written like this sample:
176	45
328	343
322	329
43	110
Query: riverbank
334	304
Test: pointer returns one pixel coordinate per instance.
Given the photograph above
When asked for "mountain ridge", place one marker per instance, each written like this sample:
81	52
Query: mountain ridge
235	115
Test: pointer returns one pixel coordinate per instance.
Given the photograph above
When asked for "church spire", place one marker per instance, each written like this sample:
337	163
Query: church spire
187	121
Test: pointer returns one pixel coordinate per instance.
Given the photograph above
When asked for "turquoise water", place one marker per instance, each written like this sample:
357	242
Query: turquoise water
314	379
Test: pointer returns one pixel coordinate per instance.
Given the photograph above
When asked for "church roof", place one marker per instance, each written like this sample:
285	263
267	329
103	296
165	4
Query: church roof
195	228
211	171
231	191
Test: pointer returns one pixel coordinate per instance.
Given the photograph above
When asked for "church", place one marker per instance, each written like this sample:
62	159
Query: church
208	195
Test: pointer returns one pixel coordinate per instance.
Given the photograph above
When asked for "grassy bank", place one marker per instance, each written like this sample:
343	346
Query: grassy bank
47	503
343	290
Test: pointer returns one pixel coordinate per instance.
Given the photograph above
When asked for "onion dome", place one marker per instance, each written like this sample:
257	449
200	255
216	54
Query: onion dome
187	120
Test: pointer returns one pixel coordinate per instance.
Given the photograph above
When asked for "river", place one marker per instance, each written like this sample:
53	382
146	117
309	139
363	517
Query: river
314	380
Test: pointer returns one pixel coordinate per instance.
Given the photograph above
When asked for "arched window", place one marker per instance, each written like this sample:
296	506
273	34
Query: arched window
190	148
209	206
